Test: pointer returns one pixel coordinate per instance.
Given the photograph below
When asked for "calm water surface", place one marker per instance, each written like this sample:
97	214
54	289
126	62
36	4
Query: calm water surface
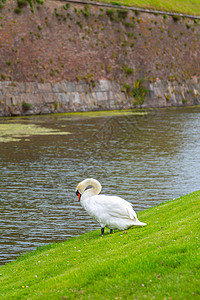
145	159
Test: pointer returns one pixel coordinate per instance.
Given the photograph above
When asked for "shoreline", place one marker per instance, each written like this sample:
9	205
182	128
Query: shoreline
24	99
150	258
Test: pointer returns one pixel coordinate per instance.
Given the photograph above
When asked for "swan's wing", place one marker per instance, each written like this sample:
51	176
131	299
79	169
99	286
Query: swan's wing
112	206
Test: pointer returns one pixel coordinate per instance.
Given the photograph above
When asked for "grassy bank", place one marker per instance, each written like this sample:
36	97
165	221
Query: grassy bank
180	6
158	261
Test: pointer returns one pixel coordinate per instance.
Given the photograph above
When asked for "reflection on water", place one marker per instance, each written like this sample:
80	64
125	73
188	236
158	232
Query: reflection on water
145	159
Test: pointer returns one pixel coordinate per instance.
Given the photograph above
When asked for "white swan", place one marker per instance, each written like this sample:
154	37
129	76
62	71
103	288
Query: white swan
110	211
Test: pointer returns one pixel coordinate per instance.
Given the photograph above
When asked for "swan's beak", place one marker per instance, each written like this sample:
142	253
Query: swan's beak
79	195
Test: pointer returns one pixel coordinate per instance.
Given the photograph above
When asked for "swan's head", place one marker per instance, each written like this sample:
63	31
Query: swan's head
81	187
79	190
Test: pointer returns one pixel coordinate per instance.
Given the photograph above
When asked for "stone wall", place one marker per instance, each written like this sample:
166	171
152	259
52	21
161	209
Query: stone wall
44	98
55	59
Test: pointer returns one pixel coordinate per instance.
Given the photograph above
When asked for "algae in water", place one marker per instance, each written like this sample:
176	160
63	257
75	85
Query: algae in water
15	132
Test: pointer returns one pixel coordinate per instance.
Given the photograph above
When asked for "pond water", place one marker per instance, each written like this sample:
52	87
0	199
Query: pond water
146	158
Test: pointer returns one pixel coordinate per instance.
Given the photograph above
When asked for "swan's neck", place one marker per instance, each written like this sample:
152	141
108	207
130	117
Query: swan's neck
95	190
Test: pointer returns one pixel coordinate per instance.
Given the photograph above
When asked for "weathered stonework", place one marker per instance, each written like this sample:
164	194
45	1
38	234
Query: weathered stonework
88	58
36	98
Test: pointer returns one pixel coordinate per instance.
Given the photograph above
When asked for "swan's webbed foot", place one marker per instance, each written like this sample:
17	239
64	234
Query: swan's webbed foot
102	231
111	231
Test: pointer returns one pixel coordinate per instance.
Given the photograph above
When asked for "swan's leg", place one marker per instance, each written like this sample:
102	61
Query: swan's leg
102	231
111	231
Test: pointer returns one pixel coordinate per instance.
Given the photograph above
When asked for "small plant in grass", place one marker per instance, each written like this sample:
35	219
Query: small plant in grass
89	78
128	24
184	101
9	62
129	34
187	26
56	105
110	13
124	44
176	18
18	10
122	13
66	6
137	12
128	70
2	4
52	73
79	24
22	3
139	92
115	3
26	106
167	97
3	76
126	88
86	12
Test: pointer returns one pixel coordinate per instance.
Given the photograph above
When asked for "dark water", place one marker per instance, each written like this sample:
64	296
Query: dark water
145	159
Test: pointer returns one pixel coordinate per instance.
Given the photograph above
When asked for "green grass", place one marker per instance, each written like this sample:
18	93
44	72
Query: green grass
181	6
158	261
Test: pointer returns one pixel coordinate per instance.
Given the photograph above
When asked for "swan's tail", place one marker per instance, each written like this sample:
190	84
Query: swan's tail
138	223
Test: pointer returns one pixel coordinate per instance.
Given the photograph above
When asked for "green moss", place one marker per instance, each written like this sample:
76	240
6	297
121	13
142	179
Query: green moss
3	76
122	13
110	13
22	3
128	70
9	62
176	18
56	105
52	73
16	132
79	24
26	106
18	10
188	26
99	114
66	6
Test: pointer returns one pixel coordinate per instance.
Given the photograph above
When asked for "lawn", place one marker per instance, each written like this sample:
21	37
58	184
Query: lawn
181	6
158	261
